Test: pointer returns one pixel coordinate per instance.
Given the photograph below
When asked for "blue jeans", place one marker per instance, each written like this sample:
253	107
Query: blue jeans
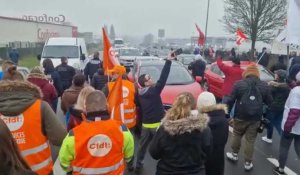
275	118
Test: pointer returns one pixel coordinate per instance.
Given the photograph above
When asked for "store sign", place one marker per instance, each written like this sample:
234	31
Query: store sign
45	18
44	34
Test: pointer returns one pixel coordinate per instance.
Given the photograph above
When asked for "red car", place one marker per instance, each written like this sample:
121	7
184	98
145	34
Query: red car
214	77
179	79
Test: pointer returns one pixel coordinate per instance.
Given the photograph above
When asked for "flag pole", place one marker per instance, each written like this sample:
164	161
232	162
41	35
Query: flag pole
206	22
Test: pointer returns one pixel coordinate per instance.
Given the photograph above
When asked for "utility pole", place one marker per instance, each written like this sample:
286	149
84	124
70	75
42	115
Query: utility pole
206	21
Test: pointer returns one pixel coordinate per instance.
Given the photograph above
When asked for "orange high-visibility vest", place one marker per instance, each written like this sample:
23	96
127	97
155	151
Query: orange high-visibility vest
33	145
99	148
128	101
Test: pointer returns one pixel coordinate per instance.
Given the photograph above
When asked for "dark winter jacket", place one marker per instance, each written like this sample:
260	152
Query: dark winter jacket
66	73
99	80
75	118
48	90
278	66
232	74
181	146
149	98
17	96
54	77
241	87
197	67
69	97
264	61
294	69
91	68
280	92
218	125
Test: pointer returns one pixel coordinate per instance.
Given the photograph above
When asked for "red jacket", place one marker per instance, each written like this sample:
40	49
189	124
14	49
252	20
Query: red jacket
48	90
232	74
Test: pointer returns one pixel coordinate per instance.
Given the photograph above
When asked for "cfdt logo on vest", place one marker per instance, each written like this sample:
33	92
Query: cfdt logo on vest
99	145
13	123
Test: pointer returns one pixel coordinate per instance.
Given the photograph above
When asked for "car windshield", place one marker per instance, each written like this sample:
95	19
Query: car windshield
178	74
129	52
60	51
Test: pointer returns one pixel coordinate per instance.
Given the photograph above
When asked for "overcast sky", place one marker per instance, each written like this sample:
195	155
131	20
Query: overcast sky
130	17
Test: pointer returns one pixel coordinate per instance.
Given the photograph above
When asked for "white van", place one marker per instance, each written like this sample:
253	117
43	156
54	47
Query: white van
72	48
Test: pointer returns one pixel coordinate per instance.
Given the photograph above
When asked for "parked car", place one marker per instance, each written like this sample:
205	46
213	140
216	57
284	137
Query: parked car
127	55
179	79
214	77
23	70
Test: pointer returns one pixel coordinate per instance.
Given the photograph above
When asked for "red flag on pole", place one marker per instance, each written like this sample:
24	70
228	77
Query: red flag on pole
201	38
115	101
109	57
241	37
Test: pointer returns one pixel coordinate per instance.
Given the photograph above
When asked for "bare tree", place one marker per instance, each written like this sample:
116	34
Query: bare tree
259	19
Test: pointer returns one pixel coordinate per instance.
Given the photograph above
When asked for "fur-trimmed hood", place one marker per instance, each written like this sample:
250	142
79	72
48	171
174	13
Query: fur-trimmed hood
278	84
186	125
206	109
16	96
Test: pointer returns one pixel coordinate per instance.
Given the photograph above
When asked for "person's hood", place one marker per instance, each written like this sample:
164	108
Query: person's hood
38	79
75	112
74	90
17	96
278	84
185	125
143	90
217	107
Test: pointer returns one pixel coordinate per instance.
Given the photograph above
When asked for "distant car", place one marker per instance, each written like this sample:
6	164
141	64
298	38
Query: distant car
23	70
186	59
214	77
179	79
127	55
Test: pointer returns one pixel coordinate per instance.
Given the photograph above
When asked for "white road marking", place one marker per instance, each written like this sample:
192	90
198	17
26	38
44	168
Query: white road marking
286	169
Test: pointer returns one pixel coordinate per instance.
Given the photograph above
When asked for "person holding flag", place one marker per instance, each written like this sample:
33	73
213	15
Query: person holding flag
151	107
128	94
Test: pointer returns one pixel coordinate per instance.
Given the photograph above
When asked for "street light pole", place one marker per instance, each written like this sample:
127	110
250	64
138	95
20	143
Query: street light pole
206	22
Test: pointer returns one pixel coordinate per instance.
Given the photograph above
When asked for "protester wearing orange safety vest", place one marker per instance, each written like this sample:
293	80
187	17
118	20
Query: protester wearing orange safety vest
98	145
129	96
32	123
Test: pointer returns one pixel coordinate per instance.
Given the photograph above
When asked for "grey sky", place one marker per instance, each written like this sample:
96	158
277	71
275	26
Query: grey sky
130	17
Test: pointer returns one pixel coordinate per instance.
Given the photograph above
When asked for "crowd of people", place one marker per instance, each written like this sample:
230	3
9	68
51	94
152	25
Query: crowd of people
189	138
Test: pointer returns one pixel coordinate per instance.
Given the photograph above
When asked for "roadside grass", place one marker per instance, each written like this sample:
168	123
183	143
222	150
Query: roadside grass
29	62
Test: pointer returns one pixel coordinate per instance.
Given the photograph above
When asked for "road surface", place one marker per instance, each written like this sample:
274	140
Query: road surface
265	158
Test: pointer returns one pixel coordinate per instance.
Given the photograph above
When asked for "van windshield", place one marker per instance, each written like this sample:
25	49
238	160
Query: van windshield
60	51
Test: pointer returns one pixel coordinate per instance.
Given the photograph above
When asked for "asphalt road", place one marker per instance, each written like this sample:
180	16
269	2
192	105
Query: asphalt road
265	156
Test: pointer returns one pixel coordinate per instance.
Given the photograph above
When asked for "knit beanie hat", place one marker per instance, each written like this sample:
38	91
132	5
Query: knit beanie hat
205	99
251	70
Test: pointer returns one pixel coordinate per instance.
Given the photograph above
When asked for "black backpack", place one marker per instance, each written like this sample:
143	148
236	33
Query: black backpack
251	102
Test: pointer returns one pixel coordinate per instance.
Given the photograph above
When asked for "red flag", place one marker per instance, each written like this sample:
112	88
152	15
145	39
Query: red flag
109	57
115	101
241	37
201	38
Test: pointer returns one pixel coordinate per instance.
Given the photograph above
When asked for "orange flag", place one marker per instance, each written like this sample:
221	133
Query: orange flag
115	101
109	56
